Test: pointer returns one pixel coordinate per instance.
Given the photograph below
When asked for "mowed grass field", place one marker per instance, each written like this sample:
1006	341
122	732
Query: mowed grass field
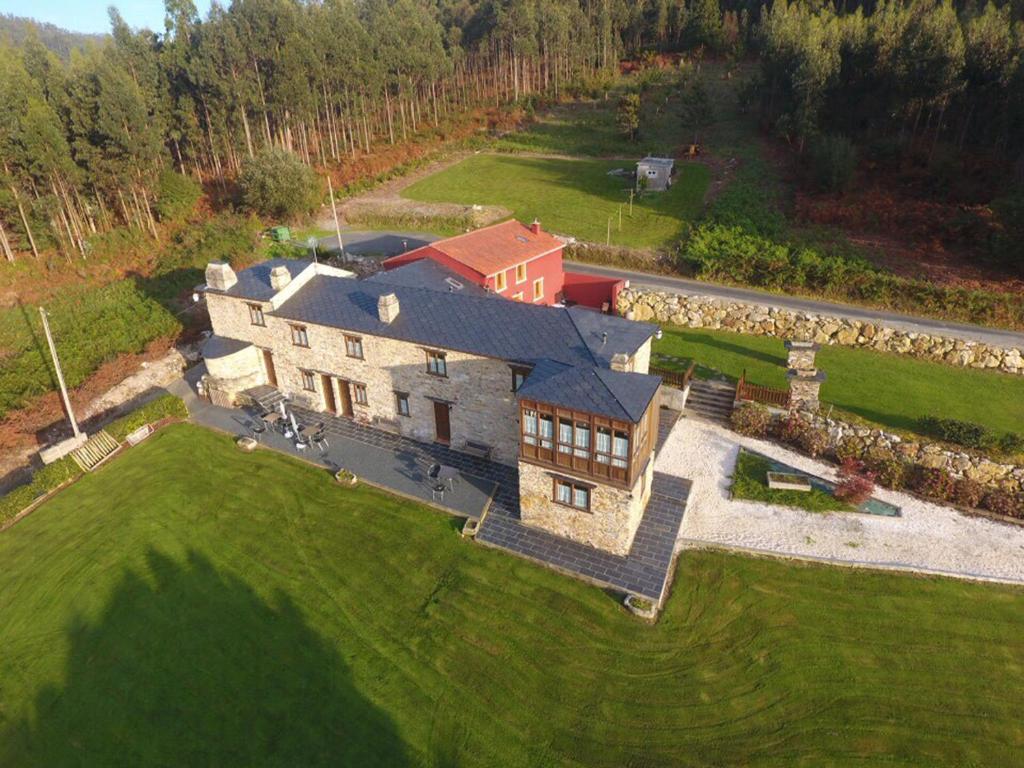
891	390
188	604
571	197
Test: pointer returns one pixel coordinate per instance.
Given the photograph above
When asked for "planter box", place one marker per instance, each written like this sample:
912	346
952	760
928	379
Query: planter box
786	481
642	607
470	528
345	478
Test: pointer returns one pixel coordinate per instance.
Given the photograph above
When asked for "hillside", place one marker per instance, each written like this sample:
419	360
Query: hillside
56	39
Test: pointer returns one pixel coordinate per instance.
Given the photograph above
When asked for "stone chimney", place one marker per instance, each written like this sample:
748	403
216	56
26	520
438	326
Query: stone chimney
535	227
387	308
621	362
280	277
801	355
220	276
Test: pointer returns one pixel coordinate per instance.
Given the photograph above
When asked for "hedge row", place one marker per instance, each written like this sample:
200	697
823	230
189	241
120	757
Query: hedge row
61	471
730	254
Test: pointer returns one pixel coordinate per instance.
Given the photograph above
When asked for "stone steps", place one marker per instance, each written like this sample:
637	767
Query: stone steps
711	400
96	450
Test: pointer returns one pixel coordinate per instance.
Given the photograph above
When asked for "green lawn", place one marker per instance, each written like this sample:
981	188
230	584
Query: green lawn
891	390
189	604
750	481
570	197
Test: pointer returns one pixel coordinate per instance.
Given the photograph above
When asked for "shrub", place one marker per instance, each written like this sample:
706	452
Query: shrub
891	472
814	441
933	483
833	161
43	481
848	449
790	429
751	419
955	431
1010	443
967	492
177	196
856	482
163	407
276	183
1003	503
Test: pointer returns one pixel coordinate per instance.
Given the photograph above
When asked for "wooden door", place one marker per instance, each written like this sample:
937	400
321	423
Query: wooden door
268	364
346	397
329	402
442	423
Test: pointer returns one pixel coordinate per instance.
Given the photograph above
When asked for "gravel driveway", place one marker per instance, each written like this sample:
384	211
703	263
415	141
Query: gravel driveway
927	538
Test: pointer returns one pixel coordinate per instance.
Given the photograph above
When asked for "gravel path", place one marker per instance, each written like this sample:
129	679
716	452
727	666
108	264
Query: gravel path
926	538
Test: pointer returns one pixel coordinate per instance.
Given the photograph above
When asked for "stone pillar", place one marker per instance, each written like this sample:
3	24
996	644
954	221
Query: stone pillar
804	387
801	355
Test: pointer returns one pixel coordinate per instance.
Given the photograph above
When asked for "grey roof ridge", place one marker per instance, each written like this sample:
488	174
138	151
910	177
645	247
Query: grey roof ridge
582	338
598	370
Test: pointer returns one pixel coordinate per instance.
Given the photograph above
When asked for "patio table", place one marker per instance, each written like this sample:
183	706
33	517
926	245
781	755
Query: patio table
447	474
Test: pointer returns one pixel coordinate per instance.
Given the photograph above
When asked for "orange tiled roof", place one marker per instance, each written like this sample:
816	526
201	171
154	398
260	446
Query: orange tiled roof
497	247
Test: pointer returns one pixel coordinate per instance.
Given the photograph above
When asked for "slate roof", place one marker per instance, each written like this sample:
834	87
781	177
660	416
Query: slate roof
493	249
661	162
254	282
569	348
428	274
623	396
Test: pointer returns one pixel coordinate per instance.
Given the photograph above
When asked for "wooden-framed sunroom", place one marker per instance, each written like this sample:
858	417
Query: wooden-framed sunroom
587	444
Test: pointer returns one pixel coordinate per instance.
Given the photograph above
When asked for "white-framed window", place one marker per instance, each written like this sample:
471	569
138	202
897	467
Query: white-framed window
546	431
500	282
520	273
530	426
538	289
517	296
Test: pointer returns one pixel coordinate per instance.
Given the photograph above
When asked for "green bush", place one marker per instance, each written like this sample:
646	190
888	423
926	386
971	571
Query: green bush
964	433
833	161
276	183
163	407
751	419
177	196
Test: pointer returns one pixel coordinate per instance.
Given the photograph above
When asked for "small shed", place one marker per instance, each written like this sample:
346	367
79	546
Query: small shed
657	171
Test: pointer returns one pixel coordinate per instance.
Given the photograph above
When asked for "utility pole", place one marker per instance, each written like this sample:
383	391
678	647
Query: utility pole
608	237
337	226
60	374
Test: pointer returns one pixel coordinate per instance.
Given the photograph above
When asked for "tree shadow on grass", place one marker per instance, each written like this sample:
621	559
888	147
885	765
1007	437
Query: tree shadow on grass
189	666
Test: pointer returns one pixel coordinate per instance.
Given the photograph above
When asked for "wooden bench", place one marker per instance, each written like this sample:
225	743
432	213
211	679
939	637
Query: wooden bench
480	450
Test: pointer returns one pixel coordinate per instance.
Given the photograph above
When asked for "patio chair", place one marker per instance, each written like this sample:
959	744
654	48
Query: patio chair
319	439
257	430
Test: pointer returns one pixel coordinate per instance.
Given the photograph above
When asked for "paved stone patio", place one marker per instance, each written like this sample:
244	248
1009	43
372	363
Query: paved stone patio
645	571
400	464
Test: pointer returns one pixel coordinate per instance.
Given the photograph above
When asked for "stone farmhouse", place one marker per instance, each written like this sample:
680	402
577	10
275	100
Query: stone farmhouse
561	394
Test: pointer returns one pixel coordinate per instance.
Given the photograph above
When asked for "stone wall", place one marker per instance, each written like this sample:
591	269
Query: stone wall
483	409
614	516
1008	477
707	312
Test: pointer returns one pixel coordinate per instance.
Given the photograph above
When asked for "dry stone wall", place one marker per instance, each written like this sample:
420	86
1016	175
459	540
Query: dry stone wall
992	474
756	319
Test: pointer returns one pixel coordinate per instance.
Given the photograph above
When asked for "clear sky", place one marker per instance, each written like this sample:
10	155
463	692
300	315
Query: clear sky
91	15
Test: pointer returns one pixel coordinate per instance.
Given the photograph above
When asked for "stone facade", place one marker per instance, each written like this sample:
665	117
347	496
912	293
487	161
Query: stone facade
614	516
804	389
756	319
1008	477
482	405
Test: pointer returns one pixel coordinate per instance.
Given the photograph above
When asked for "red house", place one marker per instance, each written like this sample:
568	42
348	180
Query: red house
509	259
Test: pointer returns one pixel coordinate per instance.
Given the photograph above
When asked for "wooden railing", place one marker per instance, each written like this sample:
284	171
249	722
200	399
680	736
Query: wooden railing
761	394
674	378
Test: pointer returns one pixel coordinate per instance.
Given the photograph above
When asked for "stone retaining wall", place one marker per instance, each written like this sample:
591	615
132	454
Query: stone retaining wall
756	319
1008	477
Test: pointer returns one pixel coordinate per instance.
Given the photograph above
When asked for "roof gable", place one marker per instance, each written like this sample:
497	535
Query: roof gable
492	249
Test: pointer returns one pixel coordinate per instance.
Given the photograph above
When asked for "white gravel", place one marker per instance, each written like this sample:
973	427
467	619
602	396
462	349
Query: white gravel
927	538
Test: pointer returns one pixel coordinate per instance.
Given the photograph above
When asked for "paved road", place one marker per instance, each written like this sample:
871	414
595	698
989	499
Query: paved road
384	244
994	336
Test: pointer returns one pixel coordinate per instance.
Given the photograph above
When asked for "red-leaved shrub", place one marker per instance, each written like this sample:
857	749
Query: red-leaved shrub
856	482
933	483
751	419
1004	503
967	492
